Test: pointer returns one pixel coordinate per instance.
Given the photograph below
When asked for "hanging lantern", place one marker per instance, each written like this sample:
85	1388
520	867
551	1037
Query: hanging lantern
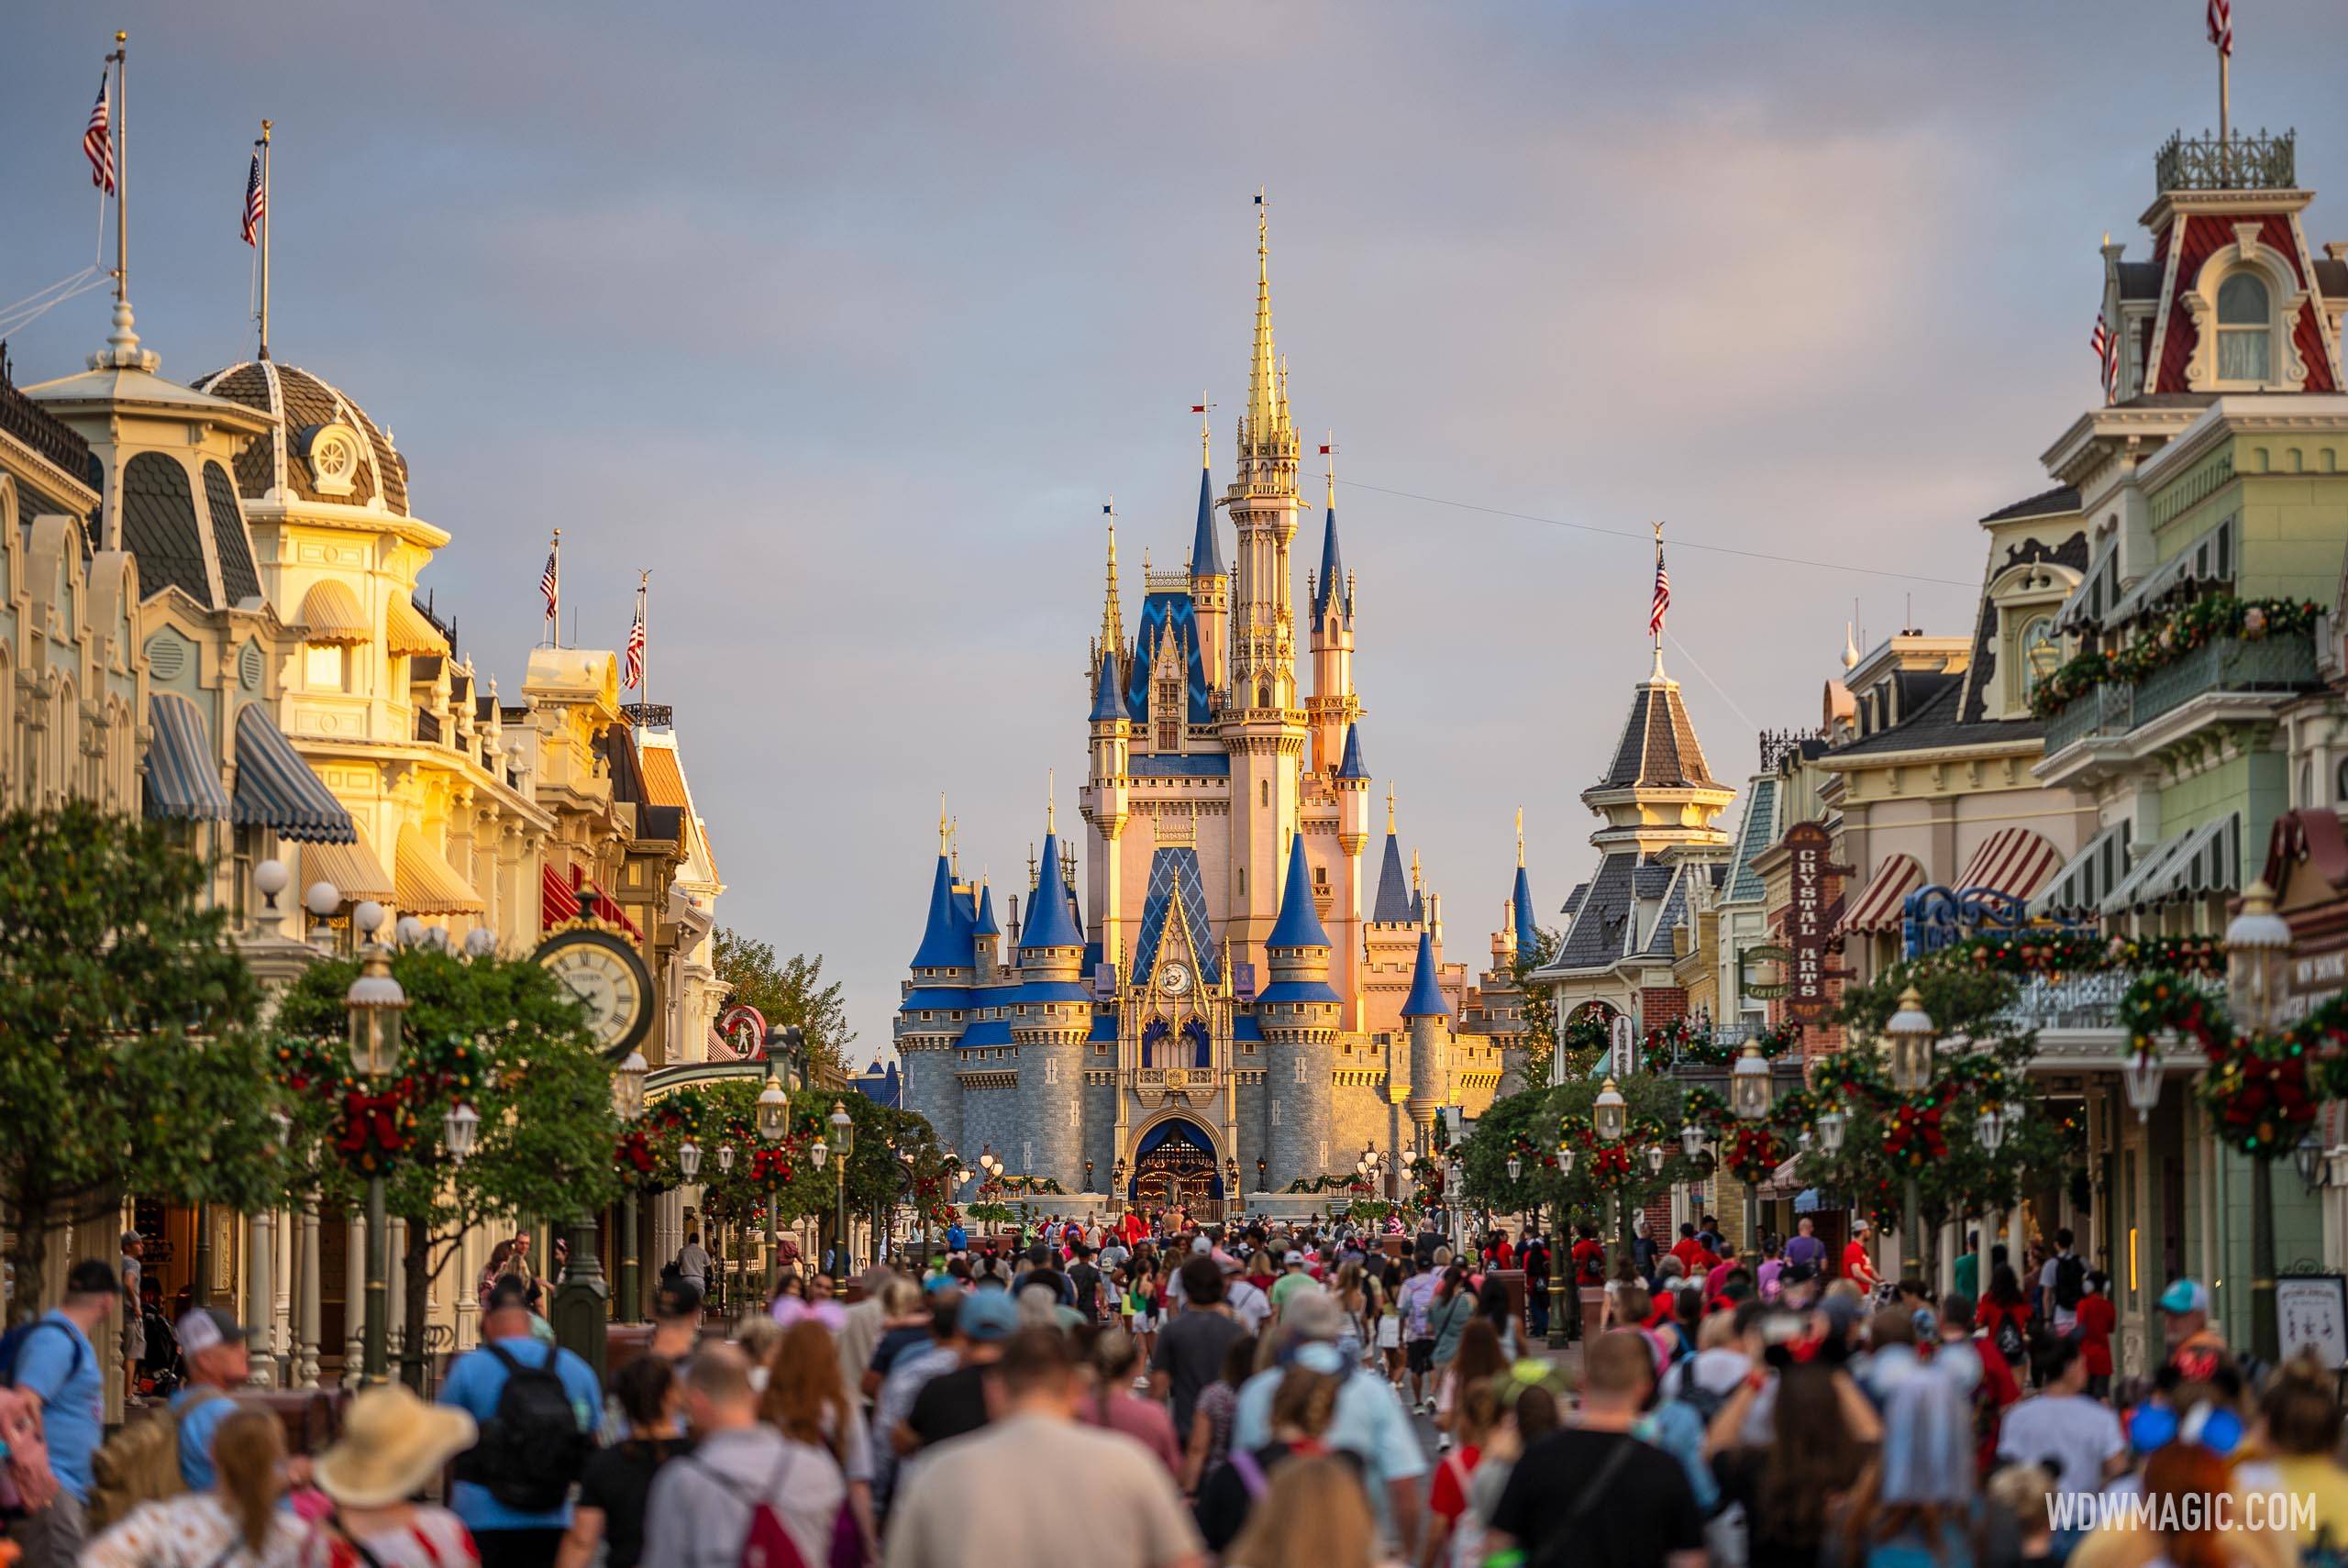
1691	1140
724	1159
2140	1079
458	1128
1515	1167
1831	1125
2309	1158
1913	1037
1656	1155
819	1152
689	1158
1989	1128
1748	1087
1610	1113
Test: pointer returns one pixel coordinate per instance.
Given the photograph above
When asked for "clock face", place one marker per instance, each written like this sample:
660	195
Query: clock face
1174	977
610	981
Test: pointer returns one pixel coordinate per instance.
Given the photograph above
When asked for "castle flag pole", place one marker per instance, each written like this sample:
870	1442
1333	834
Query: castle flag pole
268	221
121	131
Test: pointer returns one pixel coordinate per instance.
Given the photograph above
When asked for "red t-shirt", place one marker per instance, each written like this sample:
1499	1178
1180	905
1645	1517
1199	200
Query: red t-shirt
2096	1318
1857	1267
1500	1255
1590	1262
1448	1495
1688	1250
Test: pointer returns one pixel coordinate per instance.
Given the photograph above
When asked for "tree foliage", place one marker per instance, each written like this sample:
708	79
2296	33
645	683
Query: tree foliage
788	991
128	1058
1540	1008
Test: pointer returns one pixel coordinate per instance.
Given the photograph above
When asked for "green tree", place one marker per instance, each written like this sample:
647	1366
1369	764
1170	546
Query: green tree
129	1060
501	1035
788	991
1540	1008
1530	1124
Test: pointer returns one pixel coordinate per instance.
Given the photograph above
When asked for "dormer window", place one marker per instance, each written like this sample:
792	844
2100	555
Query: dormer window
2245	329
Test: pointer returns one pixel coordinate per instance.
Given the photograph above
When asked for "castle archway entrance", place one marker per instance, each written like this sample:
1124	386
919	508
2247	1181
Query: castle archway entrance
1174	1166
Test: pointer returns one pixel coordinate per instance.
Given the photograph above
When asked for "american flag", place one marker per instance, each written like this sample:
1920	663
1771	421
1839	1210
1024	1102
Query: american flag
635	667
1662	600
256	200
97	141
2221	25
2107	358
551	583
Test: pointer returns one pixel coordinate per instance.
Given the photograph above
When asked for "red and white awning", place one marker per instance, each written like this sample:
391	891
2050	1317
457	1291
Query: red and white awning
2014	861
1881	906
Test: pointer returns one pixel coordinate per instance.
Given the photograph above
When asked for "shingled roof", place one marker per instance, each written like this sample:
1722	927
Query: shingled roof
1658	748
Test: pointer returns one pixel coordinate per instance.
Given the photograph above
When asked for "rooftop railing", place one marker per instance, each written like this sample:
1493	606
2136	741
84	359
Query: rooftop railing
2260	163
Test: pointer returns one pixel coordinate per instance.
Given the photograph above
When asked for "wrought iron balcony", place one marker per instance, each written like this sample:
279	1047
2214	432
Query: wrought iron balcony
2080	1001
2284	662
2207	162
2102	712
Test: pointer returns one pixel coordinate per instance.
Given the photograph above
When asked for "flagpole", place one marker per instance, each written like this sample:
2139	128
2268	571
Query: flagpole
554	610
2225	92
267	220
121	131
1656	636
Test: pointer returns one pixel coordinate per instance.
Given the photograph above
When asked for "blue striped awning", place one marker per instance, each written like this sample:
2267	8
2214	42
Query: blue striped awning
182	776
275	789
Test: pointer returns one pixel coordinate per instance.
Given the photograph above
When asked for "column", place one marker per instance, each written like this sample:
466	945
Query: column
285	1275
468	1264
395	1294
261	1296
354	1296
309	1314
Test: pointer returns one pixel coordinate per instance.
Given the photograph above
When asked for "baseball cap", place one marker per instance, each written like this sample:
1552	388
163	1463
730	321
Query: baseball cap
1295	1259
1201	1244
987	1315
2184	1296
1314	1315
207	1328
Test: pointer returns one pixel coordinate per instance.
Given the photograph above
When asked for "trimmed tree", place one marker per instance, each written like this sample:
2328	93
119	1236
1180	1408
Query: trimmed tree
128	1061
788	991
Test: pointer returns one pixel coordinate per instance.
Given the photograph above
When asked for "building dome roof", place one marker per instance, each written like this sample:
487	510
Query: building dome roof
324	448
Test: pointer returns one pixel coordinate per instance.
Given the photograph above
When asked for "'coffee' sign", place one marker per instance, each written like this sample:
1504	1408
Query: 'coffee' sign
1806	922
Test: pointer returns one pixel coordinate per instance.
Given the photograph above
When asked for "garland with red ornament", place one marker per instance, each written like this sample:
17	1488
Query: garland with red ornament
2261	1090
2056	953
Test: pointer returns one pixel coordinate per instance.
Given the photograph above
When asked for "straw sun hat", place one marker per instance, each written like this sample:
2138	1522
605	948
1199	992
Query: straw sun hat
390	1445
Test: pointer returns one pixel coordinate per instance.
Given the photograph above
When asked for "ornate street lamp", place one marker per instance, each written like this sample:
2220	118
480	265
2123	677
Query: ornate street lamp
1610	1113
1914	1043
1749	1093
1691	1140
1830	1127
1515	1167
774	1121
2313	1168
459	1128
1989	1128
1565	1156
2140	1078
322	898
724	1159
1656	1156
689	1159
2259	971
627	1103
374	1004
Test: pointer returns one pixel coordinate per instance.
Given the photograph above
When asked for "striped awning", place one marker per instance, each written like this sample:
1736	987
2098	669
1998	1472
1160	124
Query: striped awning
2090	877
351	868
2202	862
407	631
182	774
331	614
426	884
2013	860
275	789
1881	906
559	900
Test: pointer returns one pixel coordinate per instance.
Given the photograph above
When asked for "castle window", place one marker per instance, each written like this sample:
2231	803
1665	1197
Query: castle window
1321	878
2245	329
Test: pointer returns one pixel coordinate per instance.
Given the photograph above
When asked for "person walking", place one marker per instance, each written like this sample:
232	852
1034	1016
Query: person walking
616	1481
705	1509
976	1505
392	1444
1303	1403
1413	1301
955	1403
1619	1501
2098	1317
808	1401
1209	1442
1447	1320
693	1262
2004	1314
1454	1535
1820	1433
233	1521
217	1353
56	1364
536	1406
2063	1428
133	1269
1858	1260
1113	1404
1189	1350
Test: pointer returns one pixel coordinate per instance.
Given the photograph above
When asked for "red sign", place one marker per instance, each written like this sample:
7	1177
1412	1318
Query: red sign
1806	922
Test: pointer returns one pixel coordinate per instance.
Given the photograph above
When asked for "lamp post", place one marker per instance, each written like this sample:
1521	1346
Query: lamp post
727	1273
628	1101
844	1142
774	1120
1610	1115
1750	1095
375	1003
2258	959
1914	1040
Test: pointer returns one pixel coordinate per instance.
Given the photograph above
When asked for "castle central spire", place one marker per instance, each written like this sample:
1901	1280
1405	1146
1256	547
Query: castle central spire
1267	429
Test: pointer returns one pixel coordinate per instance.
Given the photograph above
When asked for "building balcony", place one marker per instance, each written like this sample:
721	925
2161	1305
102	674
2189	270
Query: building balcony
2104	713
2285	662
2076	1017
2260	163
2122	721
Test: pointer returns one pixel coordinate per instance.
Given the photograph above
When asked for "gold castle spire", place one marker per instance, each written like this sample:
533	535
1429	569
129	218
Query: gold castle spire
1112	616
1051	799
1267	423
1417	886
945	837
1389	810
1520	836
1206	433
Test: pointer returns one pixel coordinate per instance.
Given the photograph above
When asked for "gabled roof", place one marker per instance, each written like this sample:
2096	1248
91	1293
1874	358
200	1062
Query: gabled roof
1175	878
1392	905
1299	925
1758	832
1658	748
1206	548
1051	918
2053	503
1159	611
1426	998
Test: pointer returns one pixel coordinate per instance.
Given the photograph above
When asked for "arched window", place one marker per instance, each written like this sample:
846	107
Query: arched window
2041	650
2245	329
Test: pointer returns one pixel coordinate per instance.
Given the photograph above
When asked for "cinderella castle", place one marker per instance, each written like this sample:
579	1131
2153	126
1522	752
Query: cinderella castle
1228	1010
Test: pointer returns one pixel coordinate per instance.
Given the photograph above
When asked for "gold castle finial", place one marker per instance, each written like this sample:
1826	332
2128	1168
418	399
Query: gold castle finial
1051	798
1206	432
1264	392
1389	810
1520	836
954	837
1416	885
945	838
1113	615
1328	450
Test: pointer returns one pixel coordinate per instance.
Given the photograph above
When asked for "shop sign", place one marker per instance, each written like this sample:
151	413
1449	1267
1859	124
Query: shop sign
1806	923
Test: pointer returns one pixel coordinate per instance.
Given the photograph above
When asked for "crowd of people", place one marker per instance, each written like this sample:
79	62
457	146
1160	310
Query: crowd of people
1255	1395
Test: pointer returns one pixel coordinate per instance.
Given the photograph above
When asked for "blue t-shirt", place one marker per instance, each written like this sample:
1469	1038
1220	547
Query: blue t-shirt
62	1369
1369	1422
200	1411
473	1386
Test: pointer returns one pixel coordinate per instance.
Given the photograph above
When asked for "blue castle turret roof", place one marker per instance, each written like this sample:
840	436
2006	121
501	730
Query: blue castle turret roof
946	939
1108	702
987	926
1528	932
1206	547
1426	999
1329	588
1299	925
1051	922
1392	905
1351	765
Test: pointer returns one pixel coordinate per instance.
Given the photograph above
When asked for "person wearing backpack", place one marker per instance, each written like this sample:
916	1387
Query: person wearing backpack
2061	1281
537	1406
215	1346
53	1360
747	1495
2004	1314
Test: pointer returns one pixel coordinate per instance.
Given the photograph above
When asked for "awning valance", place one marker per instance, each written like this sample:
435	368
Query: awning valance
2210	558
427	884
2088	878
275	789
351	868
331	614
2013	860
1881	906
557	904
182	774
407	631
2202	862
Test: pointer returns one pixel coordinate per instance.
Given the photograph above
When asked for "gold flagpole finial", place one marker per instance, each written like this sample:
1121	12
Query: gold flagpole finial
942	833
1051	798
1520	836
1389	810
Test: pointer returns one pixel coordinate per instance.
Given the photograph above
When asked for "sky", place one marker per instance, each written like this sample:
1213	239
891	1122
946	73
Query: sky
847	318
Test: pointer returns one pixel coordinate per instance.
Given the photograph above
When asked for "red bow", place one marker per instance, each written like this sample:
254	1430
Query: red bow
370	1117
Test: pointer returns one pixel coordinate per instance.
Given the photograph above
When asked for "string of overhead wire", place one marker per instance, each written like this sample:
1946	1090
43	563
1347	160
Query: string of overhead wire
23	313
1676	542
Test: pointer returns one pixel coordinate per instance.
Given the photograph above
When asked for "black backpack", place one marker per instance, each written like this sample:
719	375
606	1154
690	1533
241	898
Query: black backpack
2010	1341
530	1452
2070	1281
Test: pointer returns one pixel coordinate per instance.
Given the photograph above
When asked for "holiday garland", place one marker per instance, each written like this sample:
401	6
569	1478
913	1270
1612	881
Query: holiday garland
2055	952
2155	645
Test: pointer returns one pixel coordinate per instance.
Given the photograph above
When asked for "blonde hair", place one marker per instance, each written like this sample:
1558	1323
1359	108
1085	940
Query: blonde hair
1315	1515
246	1449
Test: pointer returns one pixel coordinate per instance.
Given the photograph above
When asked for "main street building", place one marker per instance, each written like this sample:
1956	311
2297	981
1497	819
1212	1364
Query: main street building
1240	1010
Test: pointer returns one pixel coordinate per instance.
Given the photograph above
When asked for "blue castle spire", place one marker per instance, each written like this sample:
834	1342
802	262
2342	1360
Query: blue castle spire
1206	547
1528	932
1329	588
944	940
1426	999
1051	921
1108	703
986	926
1351	765
1392	905
1299	925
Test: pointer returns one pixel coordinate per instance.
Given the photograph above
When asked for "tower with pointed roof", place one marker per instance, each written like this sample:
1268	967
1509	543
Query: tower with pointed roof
1299	1015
